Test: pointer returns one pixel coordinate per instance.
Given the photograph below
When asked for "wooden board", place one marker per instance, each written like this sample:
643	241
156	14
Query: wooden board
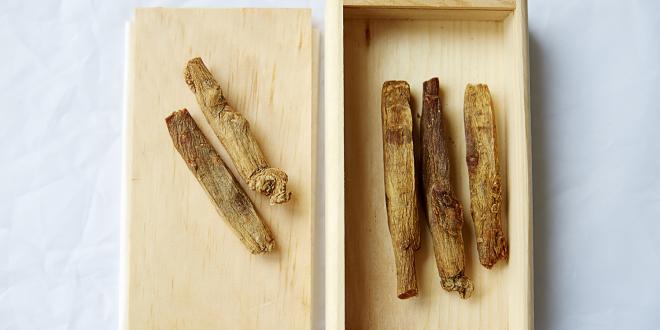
185	269
433	4
471	49
429	9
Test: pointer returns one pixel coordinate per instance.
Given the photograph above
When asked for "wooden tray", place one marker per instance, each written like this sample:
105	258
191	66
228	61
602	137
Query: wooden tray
183	266
459	41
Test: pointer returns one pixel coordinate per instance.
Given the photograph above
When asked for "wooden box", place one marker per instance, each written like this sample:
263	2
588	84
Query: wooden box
459	41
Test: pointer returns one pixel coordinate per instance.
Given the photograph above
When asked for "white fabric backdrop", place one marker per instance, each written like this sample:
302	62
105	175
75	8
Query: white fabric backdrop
595	80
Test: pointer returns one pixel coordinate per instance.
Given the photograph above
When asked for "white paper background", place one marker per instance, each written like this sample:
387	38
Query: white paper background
595	85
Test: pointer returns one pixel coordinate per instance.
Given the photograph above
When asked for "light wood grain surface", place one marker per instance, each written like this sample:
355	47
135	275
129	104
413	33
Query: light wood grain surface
434	4
186	269
458	52
334	166
421	13
454	10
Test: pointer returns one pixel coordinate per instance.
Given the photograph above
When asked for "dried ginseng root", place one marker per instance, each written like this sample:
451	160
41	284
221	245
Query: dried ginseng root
400	194
233	130
484	173
444	211
227	196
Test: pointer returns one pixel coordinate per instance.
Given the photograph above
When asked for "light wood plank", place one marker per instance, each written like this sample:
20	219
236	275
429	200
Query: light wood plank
435	4
421	13
334	166
127	152
186	269
519	167
473	10
458	52
317	299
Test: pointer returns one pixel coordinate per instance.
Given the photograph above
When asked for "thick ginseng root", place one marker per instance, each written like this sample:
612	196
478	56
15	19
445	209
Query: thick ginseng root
484	172
400	194
227	196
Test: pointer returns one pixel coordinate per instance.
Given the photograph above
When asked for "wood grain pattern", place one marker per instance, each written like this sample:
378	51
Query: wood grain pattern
472	10
221	187
400	186
334	178
443	210
185	268
517	214
376	50
484	174
234	132
421	13
435	4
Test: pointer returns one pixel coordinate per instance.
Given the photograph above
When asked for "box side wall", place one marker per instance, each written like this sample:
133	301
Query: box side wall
519	167
435	4
334	166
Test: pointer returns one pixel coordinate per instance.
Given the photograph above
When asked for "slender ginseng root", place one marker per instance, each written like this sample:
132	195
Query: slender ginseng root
484	173
234	133
443	210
